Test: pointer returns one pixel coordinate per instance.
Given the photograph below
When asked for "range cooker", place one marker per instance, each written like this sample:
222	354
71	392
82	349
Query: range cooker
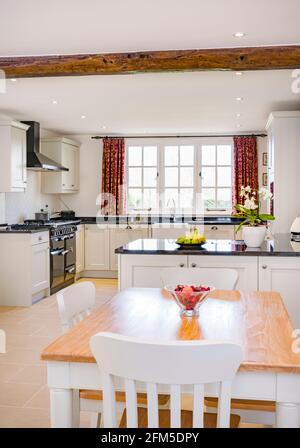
62	249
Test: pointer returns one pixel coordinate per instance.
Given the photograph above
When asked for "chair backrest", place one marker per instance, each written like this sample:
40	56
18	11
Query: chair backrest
175	363
75	303
220	278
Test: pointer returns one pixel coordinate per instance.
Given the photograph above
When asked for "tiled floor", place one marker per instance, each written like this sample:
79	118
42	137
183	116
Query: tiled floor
24	396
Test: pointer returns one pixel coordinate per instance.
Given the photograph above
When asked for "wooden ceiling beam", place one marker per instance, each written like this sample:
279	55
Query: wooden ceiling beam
244	58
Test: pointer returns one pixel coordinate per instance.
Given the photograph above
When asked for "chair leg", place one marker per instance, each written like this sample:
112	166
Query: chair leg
96	420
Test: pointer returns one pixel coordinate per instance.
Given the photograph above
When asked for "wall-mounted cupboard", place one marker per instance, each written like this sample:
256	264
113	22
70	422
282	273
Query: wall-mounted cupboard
13	172
66	153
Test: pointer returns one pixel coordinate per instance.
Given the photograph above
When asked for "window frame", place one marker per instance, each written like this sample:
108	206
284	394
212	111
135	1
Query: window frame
197	142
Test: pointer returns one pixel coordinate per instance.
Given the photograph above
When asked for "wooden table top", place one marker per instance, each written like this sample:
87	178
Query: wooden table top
256	320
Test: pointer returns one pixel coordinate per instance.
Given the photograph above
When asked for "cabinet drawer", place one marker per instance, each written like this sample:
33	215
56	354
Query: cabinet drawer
216	231
39	238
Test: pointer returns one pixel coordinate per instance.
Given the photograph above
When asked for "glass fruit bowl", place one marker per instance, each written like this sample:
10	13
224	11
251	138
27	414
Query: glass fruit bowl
189	297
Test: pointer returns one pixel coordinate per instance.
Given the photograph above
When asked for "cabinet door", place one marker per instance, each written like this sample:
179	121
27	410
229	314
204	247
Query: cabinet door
18	154
121	235
218	232
69	160
144	271
80	249
40	267
245	266
96	247
282	274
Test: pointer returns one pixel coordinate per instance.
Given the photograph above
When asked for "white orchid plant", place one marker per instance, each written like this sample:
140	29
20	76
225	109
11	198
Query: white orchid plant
250	209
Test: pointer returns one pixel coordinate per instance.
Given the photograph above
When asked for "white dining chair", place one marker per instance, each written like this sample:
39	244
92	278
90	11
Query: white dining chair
220	278
74	304
251	411
171	364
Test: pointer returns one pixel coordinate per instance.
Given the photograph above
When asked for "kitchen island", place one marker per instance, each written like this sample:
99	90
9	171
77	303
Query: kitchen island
275	266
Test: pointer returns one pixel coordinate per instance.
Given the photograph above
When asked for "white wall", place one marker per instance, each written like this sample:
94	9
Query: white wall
20	206
84	202
2	208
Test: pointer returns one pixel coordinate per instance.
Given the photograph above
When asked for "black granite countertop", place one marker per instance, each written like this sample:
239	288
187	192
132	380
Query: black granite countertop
37	230
148	220
280	246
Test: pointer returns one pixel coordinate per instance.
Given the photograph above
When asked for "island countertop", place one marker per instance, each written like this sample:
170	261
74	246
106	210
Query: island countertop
280	246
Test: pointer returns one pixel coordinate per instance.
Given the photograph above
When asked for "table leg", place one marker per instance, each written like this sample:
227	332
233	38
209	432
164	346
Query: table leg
287	415
61	408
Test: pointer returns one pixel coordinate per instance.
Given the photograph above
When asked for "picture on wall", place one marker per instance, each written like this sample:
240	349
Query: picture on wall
265	179
265	159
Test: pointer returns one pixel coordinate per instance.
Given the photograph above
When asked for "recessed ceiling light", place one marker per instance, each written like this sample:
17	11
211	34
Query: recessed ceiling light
239	98
239	34
83	116
103	127
238	125
238	115
54	102
13	80
239	73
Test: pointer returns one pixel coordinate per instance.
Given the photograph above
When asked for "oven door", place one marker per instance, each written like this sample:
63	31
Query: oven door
57	263
70	248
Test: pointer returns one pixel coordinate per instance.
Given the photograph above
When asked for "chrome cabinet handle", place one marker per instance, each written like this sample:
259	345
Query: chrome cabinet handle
181	265
214	228
264	266
40	238
193	265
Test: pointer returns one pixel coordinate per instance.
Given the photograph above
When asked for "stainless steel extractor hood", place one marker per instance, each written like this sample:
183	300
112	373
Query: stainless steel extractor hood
37	161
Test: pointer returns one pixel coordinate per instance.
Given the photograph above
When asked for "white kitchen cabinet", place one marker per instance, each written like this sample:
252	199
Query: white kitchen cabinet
282	274
97	247
66	153
24	268
246	267
123	234
218	232
39	267
13	171
144	271
169	230
284	161
80	249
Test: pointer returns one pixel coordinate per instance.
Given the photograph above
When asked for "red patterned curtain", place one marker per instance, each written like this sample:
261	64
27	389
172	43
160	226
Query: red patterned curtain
245	165
113	170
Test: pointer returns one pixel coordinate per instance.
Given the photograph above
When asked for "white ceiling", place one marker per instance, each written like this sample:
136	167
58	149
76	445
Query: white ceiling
86	26
202	102
198	102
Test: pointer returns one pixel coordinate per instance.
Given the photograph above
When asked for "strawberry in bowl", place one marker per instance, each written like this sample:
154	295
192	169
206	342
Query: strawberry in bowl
189	297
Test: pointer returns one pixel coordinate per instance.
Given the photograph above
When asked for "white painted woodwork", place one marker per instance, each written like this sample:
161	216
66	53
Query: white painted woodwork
80	243
65	152
220	278
284	161
169	230
97	247
245	266
13	171
208	361
40	267
123	234
145	270
282	274
24	268
219	232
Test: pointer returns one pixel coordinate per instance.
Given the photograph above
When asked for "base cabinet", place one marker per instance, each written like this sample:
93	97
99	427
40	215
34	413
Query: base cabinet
96	247
144	271
121	235
40	267
80	249
282	274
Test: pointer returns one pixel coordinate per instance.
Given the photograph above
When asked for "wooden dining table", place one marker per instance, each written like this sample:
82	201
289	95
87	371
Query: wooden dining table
258	321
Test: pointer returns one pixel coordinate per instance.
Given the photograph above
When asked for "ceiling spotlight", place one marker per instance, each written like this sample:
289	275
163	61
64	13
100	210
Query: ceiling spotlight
103	127
83	116
239	34
239	98
238	115
13	80
239	73
54	102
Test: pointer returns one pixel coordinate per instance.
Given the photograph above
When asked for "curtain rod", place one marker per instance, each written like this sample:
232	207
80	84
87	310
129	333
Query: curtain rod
99	137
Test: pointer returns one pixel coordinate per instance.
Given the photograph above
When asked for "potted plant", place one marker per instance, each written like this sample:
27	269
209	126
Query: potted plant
255	223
